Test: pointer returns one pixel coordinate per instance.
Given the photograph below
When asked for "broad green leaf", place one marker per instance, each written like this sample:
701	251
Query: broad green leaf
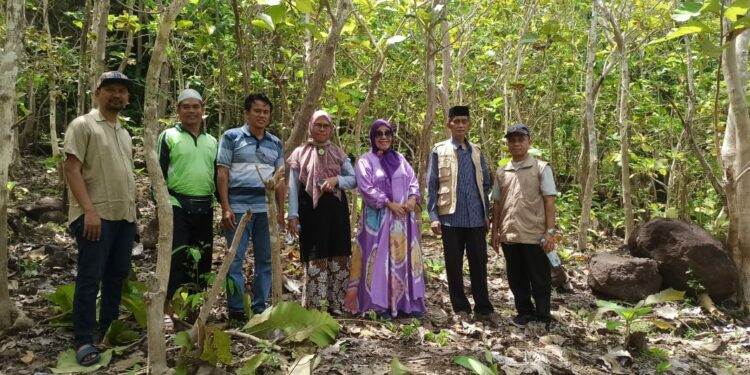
504	161
252	365
686	11
473	365
666	295
397	368
120	334
346	83
395	39
269	2
133	301
304	6
277	13
184	24
216	348
691	27
742	23
613	325
529	38
737	9
194	2
712	6
183	339
63	297
264	21
296	322
67	363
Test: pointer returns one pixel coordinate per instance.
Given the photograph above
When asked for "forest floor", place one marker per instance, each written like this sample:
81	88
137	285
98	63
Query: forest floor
681	338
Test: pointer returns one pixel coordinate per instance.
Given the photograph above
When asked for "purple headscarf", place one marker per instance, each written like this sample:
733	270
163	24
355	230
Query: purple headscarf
389	159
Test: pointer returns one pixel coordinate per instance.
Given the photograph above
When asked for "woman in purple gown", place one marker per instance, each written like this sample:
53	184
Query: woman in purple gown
386	268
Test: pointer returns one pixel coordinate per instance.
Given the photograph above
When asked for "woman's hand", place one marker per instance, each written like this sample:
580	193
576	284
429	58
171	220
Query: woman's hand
411	204
329	184
291	226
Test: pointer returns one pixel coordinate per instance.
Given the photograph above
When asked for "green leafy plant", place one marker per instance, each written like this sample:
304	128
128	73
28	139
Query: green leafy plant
62	298
296	322
661	359
630	316
408	330
185	303
217	347
440	338
476	366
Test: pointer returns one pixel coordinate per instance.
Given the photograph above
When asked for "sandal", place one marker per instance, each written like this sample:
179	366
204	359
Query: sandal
87	355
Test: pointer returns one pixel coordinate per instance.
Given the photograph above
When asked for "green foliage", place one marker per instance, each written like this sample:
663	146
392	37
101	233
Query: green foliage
132	299
441	338
397	368
631	316
120	334
476	366
67	363
408	330
185	303
296	322
62	298
217	347
182	339
252	365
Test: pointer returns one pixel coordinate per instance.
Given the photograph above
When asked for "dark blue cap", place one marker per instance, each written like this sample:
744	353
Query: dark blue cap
518	129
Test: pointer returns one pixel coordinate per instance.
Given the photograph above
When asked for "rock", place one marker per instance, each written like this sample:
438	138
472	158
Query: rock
58	217
57	260
559	276
45	204
629	279
150	234
52	249
678	247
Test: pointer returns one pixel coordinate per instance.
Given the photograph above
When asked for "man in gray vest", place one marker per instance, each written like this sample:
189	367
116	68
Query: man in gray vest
523	221
458	205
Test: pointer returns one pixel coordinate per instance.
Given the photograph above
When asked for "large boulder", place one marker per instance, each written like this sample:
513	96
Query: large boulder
623	278
678	247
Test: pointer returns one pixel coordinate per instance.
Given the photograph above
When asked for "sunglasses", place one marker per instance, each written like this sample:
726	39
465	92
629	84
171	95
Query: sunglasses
384	134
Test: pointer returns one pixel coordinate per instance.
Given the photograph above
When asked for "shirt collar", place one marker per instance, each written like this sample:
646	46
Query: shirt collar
100	118
180	128
456	145
246	130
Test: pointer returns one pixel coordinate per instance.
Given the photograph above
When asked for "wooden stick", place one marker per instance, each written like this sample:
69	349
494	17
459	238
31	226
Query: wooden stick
276	272
236	333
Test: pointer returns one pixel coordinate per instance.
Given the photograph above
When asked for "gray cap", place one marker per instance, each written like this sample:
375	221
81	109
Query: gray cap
189	94
518	129
112	77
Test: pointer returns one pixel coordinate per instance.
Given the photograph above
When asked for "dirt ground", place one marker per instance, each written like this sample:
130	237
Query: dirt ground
692	343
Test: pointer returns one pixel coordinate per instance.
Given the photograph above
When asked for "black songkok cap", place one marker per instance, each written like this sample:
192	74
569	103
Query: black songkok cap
458	110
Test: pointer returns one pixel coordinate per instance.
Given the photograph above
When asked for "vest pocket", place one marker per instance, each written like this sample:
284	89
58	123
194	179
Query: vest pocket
444	196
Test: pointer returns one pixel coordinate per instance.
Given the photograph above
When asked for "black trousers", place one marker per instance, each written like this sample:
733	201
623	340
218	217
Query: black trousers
456	240
529	275
193	236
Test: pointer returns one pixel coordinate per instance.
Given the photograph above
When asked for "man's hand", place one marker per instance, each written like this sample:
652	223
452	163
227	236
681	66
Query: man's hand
397	209
291	227
228	220
436	227
92	225
549	243
495	240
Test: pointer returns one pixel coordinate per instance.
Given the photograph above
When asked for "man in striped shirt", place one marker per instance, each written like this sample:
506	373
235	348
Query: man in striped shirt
458	204
246	153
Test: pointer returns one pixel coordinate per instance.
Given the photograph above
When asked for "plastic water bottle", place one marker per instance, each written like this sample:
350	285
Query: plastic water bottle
554	259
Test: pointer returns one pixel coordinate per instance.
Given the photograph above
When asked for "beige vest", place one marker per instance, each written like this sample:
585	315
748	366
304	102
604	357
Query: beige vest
522	218
448	175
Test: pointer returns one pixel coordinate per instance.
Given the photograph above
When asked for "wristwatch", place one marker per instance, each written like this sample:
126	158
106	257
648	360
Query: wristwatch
551	231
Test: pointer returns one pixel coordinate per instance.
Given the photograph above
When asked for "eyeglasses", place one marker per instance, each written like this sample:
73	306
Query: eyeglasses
323	126
384	134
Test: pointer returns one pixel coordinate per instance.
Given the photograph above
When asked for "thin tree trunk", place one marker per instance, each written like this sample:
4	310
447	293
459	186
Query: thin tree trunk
589	134
157	283
737	167
425	139
128	40
277	274
9	56
447	71
52	85
240	41
83	62
28	134
323	72
98	44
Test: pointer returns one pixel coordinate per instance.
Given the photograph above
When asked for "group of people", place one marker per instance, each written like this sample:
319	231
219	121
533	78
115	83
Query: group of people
381	271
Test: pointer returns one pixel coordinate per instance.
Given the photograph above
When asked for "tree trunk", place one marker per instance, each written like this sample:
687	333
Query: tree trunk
128	40
28	134
323	72
588	175
240	41
83	62
277	274
9	56
425	139
52	84
157	283
737	160
98	44
447	71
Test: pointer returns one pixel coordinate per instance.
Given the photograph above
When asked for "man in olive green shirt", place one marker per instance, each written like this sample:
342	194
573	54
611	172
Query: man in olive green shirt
99	172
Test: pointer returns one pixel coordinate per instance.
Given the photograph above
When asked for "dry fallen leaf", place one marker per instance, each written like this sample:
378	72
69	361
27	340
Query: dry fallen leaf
28	357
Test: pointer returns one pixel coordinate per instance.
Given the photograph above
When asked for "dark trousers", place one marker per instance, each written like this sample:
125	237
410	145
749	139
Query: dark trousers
105	262
192	238
473	241
529	275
